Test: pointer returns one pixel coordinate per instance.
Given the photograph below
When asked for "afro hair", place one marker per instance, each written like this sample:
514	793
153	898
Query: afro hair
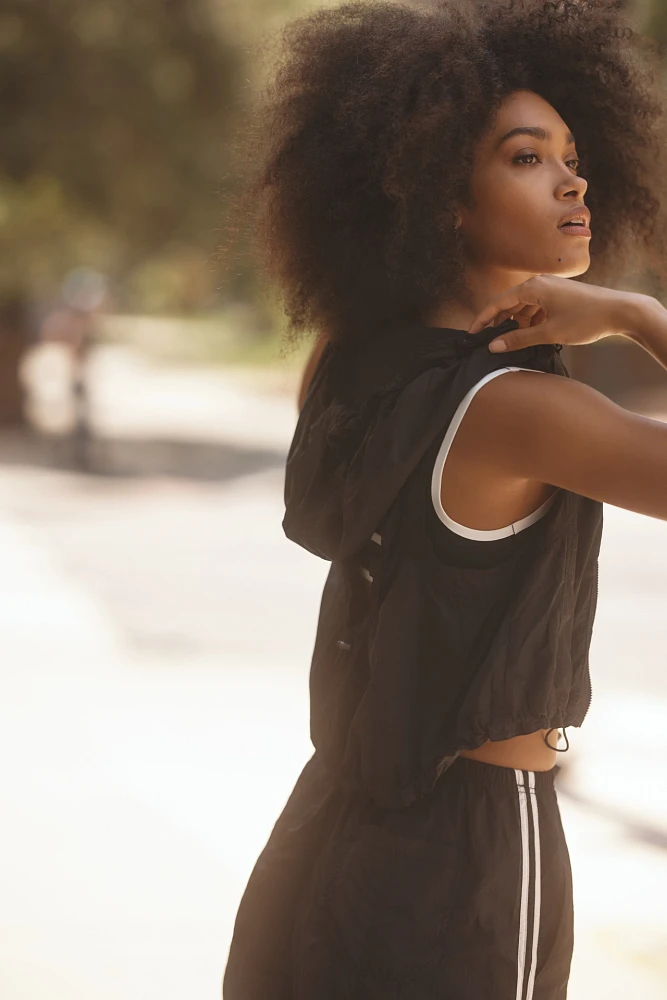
363	142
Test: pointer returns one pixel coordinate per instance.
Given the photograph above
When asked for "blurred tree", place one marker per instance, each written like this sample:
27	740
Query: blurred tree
113	153
247	20
653	14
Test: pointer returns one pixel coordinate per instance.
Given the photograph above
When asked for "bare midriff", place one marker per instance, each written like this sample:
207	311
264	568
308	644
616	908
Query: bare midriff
530	752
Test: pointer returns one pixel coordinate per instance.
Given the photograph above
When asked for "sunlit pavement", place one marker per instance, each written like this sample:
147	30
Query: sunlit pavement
154	717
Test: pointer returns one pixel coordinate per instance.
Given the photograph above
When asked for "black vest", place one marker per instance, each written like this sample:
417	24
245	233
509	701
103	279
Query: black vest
435	655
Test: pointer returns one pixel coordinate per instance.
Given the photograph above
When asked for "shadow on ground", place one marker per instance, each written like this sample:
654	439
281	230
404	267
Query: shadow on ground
134	457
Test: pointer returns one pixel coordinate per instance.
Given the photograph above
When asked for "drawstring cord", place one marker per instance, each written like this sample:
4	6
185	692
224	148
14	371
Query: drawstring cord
559	749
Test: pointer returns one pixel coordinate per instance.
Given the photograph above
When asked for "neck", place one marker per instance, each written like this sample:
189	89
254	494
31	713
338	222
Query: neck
481	285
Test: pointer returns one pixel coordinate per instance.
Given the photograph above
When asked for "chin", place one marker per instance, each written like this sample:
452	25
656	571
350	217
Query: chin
569	268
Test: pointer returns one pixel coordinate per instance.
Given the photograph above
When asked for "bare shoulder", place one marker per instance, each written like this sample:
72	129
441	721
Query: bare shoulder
553	429
534	401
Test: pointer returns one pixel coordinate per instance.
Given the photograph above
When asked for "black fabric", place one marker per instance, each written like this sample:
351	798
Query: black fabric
471	553
466	894
433	657
458	550
394	867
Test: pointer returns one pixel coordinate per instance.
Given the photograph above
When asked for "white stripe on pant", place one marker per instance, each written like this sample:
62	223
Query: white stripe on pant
525	884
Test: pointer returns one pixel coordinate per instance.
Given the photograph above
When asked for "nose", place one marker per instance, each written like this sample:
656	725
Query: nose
576	186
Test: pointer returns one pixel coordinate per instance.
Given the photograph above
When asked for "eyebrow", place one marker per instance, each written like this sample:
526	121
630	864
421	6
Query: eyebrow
536	131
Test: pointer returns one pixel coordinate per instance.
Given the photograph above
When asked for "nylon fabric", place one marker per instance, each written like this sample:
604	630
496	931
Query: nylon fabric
437	656
397	868
465	895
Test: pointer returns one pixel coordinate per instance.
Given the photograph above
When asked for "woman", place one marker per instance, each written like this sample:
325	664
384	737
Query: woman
430	172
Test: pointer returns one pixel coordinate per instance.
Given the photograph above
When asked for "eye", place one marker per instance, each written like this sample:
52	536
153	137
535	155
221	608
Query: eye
526	156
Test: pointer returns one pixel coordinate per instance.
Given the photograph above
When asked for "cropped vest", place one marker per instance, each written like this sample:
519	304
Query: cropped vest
429	642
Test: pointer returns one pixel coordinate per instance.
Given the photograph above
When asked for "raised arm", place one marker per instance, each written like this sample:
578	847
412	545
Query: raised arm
647	326
532	425
555	310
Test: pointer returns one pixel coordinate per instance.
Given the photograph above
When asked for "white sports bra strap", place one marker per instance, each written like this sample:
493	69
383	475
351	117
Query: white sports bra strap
483	535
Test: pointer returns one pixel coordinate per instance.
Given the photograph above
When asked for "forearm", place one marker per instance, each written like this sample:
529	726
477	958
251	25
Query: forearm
646	322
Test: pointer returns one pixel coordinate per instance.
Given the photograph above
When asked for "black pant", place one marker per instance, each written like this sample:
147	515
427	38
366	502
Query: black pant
465	895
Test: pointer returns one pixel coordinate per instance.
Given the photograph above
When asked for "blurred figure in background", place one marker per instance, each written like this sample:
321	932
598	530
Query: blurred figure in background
73	324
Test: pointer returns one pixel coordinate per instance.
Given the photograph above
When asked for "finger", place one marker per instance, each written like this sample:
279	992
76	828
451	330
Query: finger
536	315
515	340
525	316
510	304
501	316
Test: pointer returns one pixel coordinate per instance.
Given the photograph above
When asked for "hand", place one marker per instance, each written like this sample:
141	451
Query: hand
554	310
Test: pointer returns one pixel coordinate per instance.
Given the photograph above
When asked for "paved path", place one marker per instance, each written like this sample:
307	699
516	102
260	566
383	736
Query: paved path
154	717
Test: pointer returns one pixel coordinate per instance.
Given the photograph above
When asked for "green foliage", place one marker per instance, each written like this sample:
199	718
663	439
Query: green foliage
654	19
116	150
114	147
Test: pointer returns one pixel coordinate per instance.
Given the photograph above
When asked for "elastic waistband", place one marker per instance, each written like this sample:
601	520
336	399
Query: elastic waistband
466	770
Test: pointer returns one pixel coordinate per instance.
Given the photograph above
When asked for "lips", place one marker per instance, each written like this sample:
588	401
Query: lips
572	229
576	215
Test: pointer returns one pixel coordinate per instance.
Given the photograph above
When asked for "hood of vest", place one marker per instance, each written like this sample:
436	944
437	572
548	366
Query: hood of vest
370	413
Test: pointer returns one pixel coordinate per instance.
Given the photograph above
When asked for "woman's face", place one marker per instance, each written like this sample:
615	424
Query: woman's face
521	187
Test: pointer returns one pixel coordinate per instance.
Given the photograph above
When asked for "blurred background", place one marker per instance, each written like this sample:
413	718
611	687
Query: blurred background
156	624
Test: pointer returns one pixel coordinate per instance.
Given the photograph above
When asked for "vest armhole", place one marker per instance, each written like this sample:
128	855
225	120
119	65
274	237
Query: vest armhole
477	534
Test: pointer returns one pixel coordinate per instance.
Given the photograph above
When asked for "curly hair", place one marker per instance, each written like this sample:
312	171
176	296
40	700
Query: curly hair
363	144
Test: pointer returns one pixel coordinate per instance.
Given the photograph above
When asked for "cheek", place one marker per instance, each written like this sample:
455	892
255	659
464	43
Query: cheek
506	231
521	206
513	192
510	220
499	204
